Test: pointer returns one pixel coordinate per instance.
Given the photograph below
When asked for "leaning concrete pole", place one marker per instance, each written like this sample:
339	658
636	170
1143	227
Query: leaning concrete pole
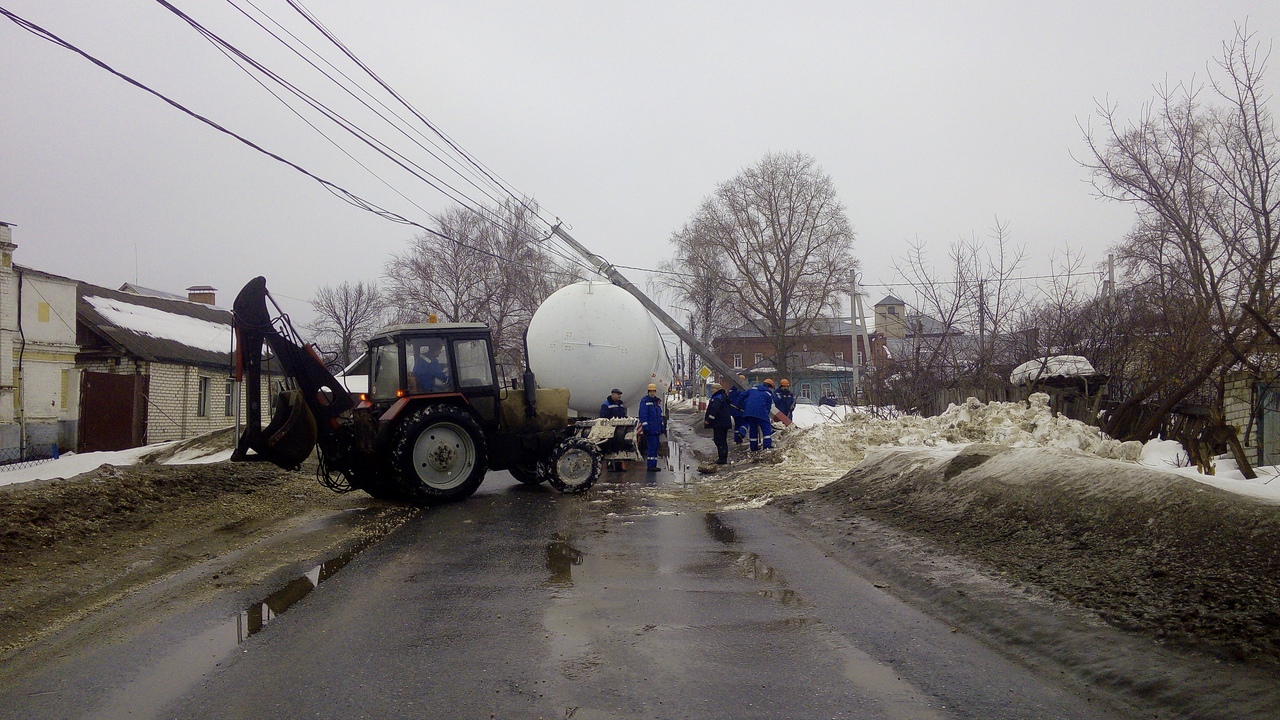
615	277
858	324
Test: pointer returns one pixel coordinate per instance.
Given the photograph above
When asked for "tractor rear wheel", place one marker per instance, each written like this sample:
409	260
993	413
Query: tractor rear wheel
439	454
574	465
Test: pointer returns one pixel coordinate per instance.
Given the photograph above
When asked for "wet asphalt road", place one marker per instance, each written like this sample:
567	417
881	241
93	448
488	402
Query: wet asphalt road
521	603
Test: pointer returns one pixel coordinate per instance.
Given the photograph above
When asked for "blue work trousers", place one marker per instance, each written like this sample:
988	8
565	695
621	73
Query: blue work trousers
651	450
759	429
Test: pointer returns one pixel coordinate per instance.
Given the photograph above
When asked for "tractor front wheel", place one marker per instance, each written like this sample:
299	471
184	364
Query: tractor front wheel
575	465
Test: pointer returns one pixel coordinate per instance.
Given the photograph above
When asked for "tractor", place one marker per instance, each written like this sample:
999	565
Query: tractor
435	418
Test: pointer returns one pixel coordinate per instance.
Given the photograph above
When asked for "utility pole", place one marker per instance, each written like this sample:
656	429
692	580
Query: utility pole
857	322
1111	281
615	277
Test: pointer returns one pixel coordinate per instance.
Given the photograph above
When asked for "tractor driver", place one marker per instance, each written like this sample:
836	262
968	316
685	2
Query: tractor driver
430	373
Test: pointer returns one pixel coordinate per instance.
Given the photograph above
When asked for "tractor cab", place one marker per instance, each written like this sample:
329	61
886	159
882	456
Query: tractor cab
436	361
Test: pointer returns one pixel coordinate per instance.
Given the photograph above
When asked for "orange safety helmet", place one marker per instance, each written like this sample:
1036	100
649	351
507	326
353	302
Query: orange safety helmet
768	381
786	383
652	386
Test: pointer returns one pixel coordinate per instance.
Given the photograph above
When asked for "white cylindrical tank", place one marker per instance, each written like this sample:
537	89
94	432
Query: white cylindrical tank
591	337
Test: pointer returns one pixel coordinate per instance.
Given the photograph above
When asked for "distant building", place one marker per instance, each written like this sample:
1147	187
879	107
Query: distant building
39	383
821	361
153	368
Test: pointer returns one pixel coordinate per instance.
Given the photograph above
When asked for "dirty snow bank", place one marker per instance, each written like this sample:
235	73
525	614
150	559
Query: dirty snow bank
199	450
818	454
810	457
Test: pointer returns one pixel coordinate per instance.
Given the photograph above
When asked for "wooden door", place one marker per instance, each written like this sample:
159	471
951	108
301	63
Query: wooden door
112	411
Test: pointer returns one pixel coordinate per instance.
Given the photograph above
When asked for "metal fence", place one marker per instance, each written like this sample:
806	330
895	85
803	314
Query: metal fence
34	454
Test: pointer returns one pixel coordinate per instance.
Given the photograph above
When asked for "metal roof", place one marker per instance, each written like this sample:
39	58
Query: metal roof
145	344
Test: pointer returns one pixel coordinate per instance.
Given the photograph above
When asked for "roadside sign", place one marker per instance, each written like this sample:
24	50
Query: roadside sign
705	372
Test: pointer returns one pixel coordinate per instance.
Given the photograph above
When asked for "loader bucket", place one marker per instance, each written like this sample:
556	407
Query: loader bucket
291	435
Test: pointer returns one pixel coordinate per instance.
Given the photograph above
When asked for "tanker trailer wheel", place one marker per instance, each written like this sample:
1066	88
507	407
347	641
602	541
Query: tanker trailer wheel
575	465
439	454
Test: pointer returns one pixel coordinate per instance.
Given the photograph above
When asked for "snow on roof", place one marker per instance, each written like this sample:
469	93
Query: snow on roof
1053	366
156	323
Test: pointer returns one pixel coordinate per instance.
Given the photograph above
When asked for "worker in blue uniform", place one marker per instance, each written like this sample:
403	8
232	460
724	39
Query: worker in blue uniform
784	400
429	373
757	407
613	407
719	417
652	424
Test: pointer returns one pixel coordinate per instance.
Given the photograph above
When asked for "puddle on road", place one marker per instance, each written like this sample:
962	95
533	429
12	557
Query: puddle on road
681	462
561	557
193	658
719	530
255	617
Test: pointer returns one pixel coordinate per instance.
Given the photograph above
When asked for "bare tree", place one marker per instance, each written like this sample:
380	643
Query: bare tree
1204	178
963	333
478	266
346	315
698	286
780	246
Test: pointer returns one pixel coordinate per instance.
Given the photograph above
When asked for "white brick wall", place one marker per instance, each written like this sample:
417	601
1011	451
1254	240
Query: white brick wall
1237	404
172	398
173	402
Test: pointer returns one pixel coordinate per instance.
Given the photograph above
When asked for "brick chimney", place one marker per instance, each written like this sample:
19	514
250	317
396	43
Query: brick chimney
202	294
6	244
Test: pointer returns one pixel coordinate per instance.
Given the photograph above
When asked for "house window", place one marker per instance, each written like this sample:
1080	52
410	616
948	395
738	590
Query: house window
826	389
230	398
806	390
758	359
839	356
892	310
737	360
202	397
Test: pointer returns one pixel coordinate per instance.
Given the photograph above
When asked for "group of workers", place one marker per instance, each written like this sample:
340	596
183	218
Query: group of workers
652	424
749	412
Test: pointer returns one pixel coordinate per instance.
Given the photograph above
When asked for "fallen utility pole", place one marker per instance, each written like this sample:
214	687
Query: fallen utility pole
615	277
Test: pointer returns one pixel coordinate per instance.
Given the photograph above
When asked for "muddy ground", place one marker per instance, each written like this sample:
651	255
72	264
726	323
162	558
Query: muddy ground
1148	583
69	547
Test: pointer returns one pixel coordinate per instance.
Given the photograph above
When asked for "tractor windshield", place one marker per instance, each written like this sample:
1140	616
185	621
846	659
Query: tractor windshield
428	365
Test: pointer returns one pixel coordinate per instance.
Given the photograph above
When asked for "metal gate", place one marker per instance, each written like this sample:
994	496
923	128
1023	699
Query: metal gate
112	413
1268	424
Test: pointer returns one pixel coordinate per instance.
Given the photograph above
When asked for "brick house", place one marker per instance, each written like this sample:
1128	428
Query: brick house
1251	404
153	368
39	398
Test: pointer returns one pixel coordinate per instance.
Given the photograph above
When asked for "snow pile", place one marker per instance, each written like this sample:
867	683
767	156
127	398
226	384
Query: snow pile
71	464
1054	366
809	457
192	332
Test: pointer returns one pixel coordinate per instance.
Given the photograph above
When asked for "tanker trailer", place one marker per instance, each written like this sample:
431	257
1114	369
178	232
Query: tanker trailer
591	337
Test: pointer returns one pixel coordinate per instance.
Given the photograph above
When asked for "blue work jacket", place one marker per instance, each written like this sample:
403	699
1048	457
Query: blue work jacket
651	415
610	409
719	411
757	402
785	402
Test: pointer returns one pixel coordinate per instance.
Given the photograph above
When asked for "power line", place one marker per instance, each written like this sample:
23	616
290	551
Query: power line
332	187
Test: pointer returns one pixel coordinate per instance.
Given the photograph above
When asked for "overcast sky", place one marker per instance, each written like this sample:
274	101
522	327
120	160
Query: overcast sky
932	119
